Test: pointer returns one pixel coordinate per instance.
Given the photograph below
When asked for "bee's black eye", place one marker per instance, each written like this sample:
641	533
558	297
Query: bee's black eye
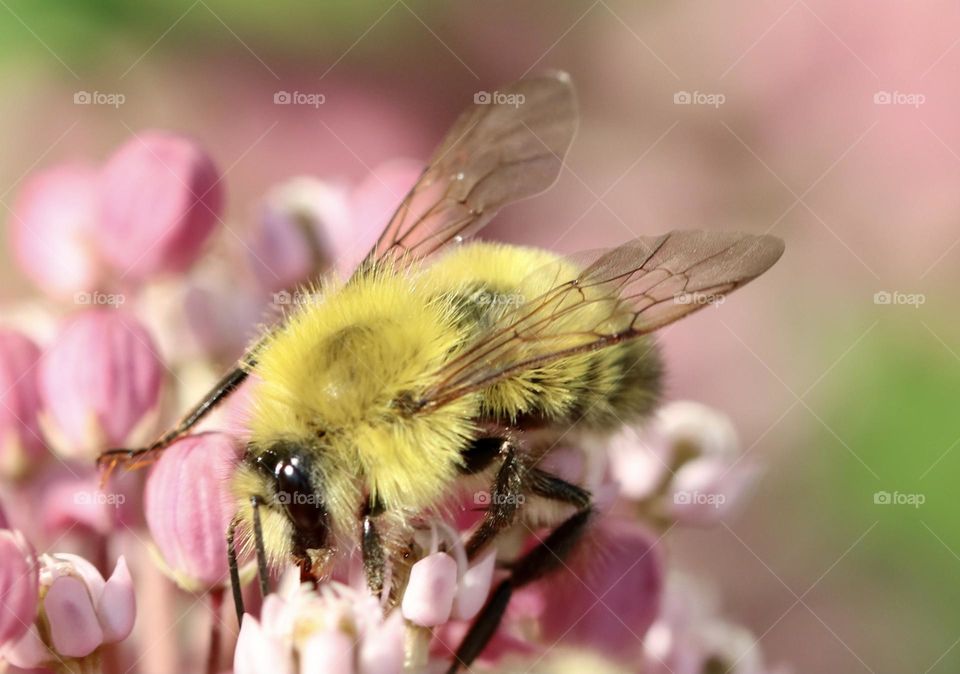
296	494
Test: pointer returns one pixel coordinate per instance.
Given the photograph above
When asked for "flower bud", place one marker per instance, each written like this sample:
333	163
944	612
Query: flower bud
100	382
188	506
80	611
431	589
21	443
294	239
160	200
474	587
51	229
18	586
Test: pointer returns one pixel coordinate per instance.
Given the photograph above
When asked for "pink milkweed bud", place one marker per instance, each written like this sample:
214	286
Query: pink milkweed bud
80	611
294	239
428	598
161	199
100	382
20	440
51	229
18	586
188	506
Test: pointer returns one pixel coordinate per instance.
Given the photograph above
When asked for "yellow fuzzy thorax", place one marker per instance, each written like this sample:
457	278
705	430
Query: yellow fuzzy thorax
334	381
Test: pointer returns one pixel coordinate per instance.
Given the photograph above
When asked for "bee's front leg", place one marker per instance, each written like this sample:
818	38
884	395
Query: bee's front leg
371	547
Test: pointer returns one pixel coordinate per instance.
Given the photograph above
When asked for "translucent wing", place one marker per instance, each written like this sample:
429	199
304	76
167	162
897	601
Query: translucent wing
629	291
510	145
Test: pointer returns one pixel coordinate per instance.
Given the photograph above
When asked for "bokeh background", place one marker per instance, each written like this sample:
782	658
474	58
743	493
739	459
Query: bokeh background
833	125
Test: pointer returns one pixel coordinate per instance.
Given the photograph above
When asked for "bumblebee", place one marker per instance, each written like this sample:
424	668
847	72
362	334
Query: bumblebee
442	363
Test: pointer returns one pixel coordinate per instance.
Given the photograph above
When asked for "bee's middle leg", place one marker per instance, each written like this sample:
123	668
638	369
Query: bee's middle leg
505	492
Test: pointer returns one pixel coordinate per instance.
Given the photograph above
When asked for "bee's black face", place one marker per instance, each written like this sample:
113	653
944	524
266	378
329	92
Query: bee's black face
295	492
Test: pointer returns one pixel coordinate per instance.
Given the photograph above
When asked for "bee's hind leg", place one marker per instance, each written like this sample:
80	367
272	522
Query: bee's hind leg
505	492
545	558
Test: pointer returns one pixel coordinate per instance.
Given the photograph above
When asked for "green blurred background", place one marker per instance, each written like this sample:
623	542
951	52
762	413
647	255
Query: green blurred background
840	396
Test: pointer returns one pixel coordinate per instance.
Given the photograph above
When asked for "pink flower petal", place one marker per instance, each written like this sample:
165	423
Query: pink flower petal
28	652
161	197
327	652
18	585
609	594
382	648
99	380
117	607
188	506
474	587
258	653
428	599
51	229
21	443
74	629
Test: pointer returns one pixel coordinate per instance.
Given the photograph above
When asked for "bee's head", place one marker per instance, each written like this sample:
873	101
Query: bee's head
279	486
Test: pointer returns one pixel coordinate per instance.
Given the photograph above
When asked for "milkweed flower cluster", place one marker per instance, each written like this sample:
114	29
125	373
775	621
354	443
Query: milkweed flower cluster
141	304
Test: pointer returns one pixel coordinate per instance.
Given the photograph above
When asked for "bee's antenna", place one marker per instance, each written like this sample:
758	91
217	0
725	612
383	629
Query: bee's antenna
234	571
261	554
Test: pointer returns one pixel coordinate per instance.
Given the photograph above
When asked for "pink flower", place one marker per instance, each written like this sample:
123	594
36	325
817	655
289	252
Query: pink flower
71	501
689	636
80	611
21	444
431	589
18	586
688	462
293	240
606	595
189	506
161	199
51	229
100	382
334	629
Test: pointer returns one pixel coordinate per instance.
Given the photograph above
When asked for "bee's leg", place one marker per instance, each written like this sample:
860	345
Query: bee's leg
371	546
505	492
220	392
546	557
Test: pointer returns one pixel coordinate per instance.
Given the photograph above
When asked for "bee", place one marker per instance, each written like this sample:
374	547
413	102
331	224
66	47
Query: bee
444	362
